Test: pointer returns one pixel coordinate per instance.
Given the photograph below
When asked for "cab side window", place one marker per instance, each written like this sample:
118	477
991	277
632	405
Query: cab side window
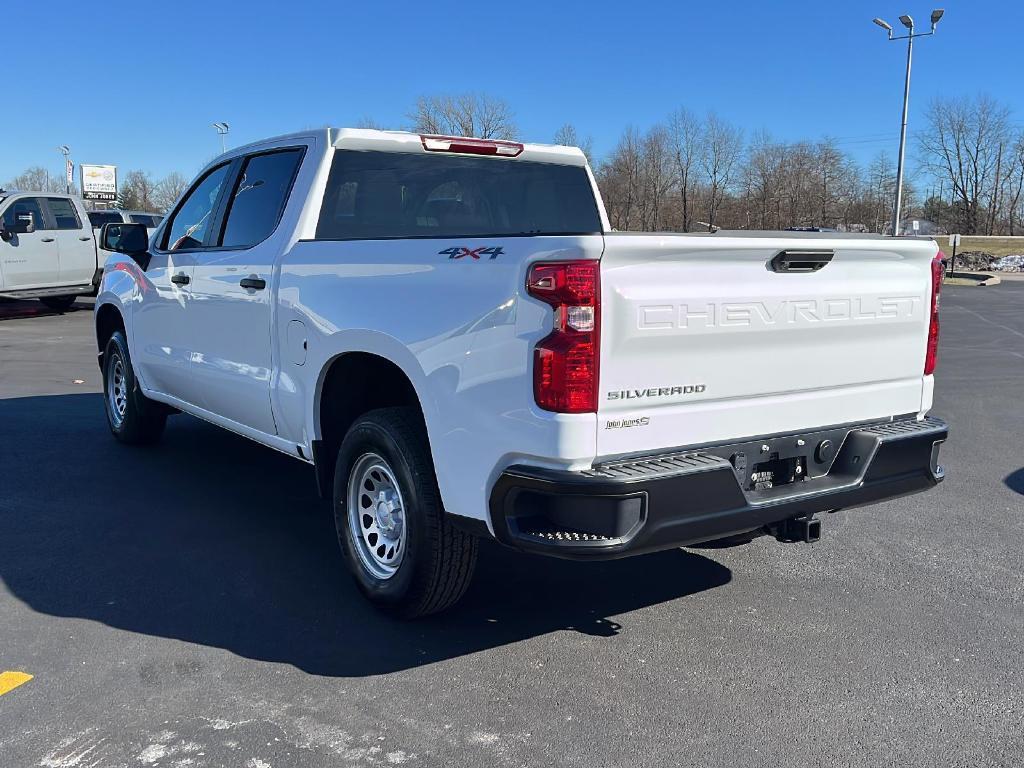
191	222
63	212
259	197
31	205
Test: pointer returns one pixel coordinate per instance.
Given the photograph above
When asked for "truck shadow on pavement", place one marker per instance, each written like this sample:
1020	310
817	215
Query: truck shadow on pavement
211	539
15	309
1015	481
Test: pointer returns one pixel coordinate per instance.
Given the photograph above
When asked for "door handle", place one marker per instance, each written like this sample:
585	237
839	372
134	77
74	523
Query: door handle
180	279
47	239
255	283
84	239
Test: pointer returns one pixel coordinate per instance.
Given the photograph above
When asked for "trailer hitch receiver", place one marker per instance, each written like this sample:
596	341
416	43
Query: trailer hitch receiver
798	529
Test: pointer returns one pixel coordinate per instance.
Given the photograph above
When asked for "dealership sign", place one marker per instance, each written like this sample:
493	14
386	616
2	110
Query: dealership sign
99	182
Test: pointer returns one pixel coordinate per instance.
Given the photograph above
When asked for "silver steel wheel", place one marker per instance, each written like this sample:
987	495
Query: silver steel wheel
376	516
117	389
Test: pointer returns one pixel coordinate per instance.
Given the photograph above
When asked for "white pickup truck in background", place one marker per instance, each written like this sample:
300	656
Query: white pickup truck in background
118	216
47	248
447	329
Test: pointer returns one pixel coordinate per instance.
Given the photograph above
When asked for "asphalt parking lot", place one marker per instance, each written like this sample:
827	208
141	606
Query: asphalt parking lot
185	605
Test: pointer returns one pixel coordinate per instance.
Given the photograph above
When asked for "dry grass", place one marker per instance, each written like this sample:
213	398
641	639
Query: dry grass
997	246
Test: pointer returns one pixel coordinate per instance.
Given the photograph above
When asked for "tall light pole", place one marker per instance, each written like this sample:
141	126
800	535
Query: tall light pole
907	22
222	129
65	150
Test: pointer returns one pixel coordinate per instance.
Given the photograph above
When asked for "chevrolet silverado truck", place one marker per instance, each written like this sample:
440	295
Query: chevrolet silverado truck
450	332
47	248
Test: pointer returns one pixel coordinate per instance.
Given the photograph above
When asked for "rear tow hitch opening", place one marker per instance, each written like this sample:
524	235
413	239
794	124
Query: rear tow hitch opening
797	529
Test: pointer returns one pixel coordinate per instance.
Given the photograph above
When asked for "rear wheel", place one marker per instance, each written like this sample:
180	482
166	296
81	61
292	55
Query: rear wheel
133	418
59	303
402	551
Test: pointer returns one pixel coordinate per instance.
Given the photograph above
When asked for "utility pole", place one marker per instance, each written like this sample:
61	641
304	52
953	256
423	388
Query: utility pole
907	22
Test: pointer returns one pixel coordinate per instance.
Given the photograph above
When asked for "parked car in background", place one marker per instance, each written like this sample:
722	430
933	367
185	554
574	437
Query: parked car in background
448	330
117	216
47	248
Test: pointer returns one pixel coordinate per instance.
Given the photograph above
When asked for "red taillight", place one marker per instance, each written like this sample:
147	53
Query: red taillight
565	362
932	351
471	146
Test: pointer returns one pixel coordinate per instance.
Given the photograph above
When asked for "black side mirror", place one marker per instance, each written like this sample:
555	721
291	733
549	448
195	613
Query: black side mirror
24	223
131	239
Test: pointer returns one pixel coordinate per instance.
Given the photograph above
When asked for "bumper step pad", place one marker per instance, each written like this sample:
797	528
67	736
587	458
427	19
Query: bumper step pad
683	497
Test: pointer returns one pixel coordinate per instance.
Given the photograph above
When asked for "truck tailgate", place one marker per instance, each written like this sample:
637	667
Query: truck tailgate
703	342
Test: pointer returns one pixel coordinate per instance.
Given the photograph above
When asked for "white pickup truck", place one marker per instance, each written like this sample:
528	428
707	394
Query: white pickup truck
450	332
47	248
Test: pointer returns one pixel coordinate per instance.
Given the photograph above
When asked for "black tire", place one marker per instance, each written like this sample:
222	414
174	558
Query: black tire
59	303
438	559
137	420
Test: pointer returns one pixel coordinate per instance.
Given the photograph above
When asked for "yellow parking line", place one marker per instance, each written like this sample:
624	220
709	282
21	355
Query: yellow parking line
11	680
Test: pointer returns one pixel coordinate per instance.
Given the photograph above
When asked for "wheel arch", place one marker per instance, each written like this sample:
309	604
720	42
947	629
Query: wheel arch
108	320
355	381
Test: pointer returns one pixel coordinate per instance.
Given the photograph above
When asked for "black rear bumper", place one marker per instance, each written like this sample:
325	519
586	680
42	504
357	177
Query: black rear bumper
657	502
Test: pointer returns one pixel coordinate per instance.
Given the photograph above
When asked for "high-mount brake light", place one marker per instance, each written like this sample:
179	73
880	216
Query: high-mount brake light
565	362
932	350
471	146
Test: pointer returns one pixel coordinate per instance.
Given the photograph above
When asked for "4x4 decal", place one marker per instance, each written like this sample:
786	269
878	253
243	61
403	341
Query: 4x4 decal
461	251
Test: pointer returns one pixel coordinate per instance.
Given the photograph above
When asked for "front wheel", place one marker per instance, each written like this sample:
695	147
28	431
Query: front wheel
133	418
402	551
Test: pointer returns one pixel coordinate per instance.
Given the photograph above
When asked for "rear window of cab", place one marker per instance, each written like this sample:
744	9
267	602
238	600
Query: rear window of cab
377	195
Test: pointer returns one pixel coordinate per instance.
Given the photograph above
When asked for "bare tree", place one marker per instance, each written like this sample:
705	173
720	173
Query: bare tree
763	176
137	191
620	180
466	114
37	179
567	136
962	143
686	133
881	189
372	123
657	178
723	147
1015	185
830	172
168	190
660	178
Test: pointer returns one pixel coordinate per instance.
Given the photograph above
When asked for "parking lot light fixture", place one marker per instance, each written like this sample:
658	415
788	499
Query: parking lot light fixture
65	150
907	22
222	129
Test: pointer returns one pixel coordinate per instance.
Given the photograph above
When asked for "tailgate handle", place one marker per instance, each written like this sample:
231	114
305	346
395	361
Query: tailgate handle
800	261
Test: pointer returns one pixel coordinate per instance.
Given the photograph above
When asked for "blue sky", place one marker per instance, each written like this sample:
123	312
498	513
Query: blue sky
139	84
